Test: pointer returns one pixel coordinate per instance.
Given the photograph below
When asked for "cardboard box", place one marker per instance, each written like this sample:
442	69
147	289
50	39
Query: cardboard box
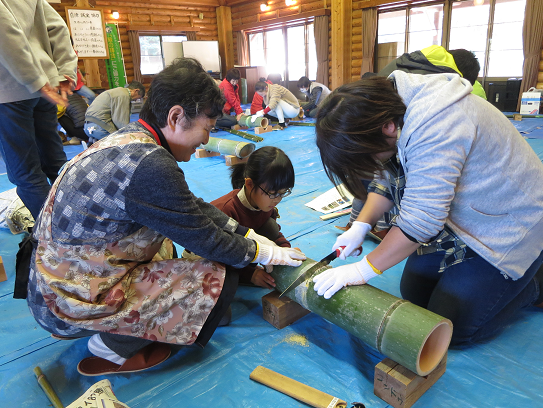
531	102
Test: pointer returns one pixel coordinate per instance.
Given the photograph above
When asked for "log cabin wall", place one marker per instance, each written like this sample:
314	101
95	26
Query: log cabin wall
149	13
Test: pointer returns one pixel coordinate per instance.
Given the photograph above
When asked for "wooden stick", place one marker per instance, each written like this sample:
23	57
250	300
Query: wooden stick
295	389
47	388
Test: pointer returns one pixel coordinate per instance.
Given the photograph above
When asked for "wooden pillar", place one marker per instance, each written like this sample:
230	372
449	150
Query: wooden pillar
341	42
92	72
226	39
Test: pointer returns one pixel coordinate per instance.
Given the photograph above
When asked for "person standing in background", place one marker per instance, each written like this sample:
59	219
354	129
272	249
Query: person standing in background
36	60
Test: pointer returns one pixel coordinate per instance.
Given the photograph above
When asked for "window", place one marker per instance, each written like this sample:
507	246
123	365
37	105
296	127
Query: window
491	29
268	48
158	51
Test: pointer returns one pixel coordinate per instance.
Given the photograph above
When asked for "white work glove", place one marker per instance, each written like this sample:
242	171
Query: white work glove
260	113
332	280
261	239
276	255
352	239
254	118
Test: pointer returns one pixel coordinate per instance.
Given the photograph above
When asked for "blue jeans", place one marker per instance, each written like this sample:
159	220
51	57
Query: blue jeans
31	148
473	294
94	131
87	93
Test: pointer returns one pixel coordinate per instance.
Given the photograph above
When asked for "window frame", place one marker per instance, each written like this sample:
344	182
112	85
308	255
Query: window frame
284	28
446	24
159	35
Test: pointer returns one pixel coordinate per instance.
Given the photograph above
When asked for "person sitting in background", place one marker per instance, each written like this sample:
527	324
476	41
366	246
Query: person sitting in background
316	92
110	111
230	89
72	120
280	102
258	103
259	185
82	89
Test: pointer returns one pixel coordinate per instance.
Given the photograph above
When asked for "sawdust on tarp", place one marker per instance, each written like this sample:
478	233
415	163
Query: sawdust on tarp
297	339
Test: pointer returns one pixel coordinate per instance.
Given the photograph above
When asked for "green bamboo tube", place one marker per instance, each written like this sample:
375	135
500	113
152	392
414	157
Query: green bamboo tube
47	389
245	120
232	147
525	116
294	123
408	334
245	135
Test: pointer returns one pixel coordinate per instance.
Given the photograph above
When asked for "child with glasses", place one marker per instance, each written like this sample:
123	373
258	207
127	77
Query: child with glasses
259	185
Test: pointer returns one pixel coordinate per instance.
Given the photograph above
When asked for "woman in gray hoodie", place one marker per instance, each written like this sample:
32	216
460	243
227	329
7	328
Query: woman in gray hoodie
466	187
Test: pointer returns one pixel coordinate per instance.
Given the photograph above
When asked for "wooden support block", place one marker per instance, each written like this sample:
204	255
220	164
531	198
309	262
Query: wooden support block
517	117
400	387
230	160
259	130
281	312
3	276
205	153
238	127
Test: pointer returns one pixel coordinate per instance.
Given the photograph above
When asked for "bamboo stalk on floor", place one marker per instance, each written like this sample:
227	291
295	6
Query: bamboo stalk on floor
47	388
408	334
229	147
244	135
294	123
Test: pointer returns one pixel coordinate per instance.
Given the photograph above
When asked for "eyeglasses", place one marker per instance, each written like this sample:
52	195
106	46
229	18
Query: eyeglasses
276	195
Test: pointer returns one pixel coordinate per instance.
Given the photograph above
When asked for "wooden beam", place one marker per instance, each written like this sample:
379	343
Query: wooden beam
341	42
282	20
226	39
161	29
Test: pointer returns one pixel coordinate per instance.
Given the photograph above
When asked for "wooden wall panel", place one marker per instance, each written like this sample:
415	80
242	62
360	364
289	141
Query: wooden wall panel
149	13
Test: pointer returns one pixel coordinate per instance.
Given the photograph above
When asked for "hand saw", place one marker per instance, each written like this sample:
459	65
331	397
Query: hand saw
323	262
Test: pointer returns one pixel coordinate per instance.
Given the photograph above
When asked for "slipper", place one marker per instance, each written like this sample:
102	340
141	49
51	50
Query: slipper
147	357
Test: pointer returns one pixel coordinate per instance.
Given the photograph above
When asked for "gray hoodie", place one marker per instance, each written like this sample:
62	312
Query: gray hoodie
468	167
35	49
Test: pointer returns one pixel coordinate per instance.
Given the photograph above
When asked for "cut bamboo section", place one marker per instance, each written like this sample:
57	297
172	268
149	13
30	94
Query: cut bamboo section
47	389
244	135
408	334
229	147
296	389
245	120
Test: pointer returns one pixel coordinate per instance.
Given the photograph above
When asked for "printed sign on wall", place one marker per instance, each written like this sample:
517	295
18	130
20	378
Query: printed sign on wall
88	33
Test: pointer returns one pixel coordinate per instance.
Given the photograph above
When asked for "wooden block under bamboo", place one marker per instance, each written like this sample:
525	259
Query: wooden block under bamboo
400	387
280	312
238	127
201	153
230	160
3	276
295	389
517	117
260	130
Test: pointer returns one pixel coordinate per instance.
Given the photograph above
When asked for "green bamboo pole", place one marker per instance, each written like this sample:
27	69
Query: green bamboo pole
245	120
47	388
232	147
525	116
291	123
408	334
245	135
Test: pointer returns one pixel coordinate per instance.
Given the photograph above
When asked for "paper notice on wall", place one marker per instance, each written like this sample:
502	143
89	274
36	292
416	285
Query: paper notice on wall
100	395
333	200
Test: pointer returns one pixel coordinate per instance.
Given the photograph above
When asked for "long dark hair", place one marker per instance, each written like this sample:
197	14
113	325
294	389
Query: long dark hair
349	130
183	83
267	166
